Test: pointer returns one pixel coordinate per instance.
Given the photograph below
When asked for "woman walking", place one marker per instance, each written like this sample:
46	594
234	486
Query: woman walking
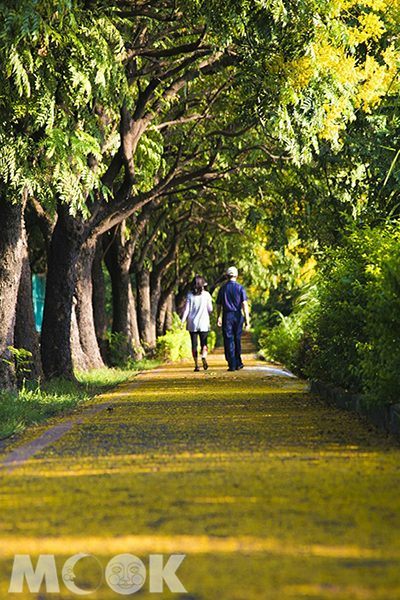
197	310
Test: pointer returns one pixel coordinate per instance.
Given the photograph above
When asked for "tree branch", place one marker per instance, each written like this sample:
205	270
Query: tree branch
168	52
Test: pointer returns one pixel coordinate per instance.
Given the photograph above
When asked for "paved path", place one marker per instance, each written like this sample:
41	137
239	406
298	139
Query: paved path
269	492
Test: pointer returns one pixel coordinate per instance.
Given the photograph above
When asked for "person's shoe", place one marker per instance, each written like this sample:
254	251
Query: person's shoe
205	365
196	369
239	367
230	369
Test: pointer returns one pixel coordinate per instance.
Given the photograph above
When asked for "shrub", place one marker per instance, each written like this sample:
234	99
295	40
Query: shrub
281	342
211	340
355	331
287	342
347	330
320	339
22	363
118	351
175	345
379	353
337	325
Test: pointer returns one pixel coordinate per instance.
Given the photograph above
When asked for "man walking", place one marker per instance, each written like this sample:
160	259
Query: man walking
232	299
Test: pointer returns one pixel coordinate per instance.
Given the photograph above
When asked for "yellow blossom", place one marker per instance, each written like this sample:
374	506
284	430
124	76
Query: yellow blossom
334	121
371	27
299	72
377	79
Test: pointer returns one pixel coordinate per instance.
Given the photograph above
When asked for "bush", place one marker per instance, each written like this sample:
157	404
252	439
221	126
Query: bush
175	345
348	332
355	330
287	342
211	340
281	342
337	325
379	353
118	351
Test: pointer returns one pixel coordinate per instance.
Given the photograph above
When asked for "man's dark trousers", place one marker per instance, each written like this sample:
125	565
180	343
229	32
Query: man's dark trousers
232	329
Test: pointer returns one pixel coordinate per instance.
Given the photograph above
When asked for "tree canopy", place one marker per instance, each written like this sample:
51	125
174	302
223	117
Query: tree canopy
249	124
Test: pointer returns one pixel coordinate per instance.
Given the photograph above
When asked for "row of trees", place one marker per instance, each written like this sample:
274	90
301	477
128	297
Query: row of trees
148	135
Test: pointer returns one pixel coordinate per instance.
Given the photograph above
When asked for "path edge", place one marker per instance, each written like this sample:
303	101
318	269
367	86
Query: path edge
21	454
385	417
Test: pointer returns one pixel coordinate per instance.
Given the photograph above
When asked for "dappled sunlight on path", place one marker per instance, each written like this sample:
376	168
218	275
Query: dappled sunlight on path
269	492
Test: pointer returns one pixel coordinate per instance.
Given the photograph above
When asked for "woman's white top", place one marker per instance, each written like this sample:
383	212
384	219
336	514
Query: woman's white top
197	311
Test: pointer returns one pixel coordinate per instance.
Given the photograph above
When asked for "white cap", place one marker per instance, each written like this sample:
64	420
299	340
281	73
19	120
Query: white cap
232	272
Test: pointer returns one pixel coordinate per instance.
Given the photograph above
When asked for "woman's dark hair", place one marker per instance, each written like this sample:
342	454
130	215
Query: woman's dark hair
198	284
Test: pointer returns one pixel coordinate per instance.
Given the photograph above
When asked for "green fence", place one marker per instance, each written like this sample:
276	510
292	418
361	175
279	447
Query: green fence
38	292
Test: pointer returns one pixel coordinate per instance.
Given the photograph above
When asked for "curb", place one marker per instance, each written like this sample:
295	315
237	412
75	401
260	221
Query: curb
385	417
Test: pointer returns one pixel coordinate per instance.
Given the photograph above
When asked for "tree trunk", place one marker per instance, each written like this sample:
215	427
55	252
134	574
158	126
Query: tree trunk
171	309
11	257
84	305
155	298
118	260
180	298
162	311
165	310
133	326
147	328
25	334
99	301
56	329
120	285
80	360
124	310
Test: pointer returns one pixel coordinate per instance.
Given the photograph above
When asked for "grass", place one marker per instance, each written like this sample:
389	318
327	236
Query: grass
37	401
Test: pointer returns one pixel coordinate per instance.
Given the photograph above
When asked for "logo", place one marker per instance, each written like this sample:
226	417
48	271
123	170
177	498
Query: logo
124	574
73	573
